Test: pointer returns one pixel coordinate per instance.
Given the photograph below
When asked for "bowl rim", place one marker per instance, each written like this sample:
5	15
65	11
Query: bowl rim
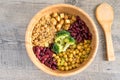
95	50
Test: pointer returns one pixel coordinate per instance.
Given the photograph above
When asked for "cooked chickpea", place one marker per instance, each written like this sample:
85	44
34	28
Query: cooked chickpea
65	56
62	68
73	66
70	59
81	44
77	60
73	62
65	64
70	67
81	60
80	54
88	49
85	45
74	52
66	68
83	52
69	63
88	41
57	57
66	59
79	47
60	55
70	55
58	63
76	65
58	60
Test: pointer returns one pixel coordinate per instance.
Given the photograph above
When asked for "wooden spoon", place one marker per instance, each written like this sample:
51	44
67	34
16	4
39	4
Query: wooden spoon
105	14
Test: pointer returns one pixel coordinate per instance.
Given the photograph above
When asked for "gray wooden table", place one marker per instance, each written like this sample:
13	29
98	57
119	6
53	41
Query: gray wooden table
16	65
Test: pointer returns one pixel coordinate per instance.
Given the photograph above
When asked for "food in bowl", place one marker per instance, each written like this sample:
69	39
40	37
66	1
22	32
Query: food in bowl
61	41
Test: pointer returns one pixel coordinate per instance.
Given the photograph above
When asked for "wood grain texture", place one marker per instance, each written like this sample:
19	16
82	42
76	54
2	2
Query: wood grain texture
106	21
14	62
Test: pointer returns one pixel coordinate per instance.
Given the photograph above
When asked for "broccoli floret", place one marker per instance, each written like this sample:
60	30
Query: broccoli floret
63	33
62	41
57	48
68	41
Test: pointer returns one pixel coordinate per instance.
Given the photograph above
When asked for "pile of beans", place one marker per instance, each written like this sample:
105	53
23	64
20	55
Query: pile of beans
43	36
73	56
79	30
44	54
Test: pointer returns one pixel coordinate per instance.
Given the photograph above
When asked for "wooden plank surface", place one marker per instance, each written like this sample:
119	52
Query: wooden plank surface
14	62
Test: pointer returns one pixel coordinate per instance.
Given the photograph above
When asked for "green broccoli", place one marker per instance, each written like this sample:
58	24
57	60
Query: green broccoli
68	41
63	33
62	41
60	36
57	48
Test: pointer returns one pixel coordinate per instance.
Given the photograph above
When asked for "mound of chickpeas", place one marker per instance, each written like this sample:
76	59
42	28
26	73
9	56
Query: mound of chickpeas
73	56
61	41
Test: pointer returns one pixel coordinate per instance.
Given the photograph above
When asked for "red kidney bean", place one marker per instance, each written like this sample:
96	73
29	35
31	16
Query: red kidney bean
73	29
85	36
70	31
54	63
44	54
76	25
77	18
73	34
47	64
43	50
43	60
36	51
79	30
54	67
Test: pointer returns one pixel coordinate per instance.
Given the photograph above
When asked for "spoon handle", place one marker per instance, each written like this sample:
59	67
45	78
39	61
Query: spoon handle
110	50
